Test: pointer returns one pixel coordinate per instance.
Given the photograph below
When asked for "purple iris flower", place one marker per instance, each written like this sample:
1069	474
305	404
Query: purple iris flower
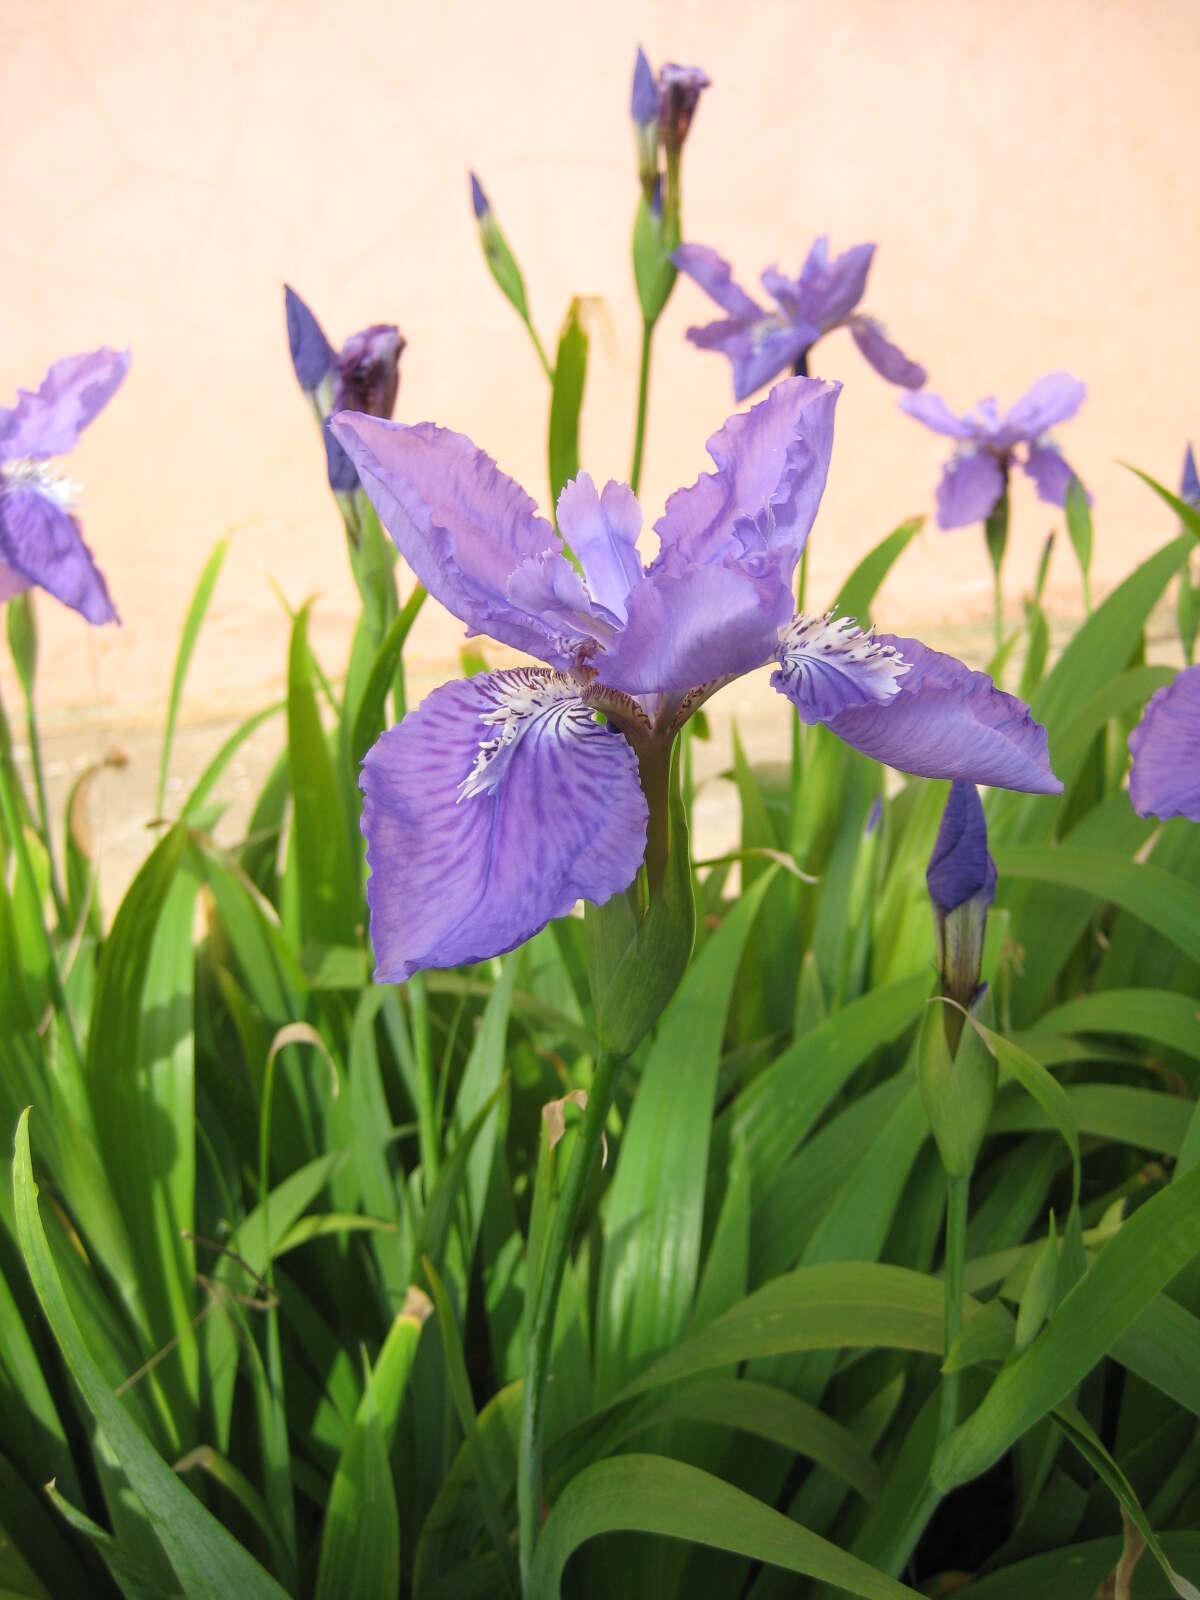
505	798
976	475
40	538
1165	746
761	344
363	376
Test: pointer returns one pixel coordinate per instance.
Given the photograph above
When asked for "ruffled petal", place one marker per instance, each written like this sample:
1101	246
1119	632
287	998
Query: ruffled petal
887	358
462	526
47	422
1045	465
971	483
313	358
1053	399
828	665
946	721
41	541
759	349
715	276
759	505
933	411
1165	746
602	529
489	811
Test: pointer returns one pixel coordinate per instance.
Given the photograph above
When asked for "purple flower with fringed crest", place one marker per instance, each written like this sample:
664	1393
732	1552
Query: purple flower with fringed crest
988	444
364	375
41	543
761	344
507	797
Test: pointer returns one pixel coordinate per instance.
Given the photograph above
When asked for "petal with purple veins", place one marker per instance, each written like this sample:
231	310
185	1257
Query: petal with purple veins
758	349
1045	465
48	421
828	665
489	811
888	359
1165	746
948	722
971	483
41	541
602	529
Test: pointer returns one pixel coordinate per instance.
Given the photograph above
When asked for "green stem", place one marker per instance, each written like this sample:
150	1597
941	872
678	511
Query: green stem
997	612
537	345
639	435
43	805
427	1125
956	1253
546	1293
1086	582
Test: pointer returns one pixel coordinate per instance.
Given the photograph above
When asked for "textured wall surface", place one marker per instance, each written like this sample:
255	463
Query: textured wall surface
1026	169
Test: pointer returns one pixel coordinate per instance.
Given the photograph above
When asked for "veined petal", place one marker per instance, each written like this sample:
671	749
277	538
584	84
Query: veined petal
1165	746
828	665
489	811
1053	399
48	421
602	529
41	541
946	721
759	505
463	527
1045	465
887	358
715	276
971	483
313	358
933	411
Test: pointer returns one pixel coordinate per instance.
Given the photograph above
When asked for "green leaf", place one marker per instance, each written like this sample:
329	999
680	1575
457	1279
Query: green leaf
369	718
1112	1111
1159	1239
859	590
653	1494
1079	526
135	1581
187	644
211	775
1159	1015
208	1561
1041	1086
566	400
1187	514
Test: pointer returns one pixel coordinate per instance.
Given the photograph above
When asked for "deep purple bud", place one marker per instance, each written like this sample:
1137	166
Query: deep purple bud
679	93
961	879
479	200
368	371
1189	483
643	104
312	354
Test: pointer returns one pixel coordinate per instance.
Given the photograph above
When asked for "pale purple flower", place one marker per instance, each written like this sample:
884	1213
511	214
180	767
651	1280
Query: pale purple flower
1165	746
505	798
363	376
41	542
988	445
761	343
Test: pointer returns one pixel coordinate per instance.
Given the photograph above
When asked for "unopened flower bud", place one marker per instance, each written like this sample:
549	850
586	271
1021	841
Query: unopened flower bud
961	879
679	94
643	107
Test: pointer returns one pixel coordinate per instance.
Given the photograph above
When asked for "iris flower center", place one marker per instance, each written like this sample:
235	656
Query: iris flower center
41	476
533	703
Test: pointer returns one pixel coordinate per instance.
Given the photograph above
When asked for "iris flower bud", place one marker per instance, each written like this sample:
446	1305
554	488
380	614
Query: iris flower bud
962	883
643	108
679	94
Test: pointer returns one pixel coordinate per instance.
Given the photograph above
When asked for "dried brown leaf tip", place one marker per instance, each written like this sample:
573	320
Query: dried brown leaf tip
554	1115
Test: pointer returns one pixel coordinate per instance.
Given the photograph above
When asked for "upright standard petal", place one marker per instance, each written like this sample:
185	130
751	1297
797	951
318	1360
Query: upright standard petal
1045	465
313	358
971	483
48	421
933	411
602	529
463	527
1053	399
715	276
41	542
489	811
828	291
1165	746
888	359
946	721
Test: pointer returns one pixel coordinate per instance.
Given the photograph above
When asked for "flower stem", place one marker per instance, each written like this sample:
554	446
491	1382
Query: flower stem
997	613
427	1124
538	346
956	1250
43	805
639	436
546	1293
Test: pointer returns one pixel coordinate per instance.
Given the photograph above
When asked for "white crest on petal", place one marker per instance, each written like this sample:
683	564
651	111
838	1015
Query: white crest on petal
834	655
42	476
527	699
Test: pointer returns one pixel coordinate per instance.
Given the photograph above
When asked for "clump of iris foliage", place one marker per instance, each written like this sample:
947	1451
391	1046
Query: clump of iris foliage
824	1219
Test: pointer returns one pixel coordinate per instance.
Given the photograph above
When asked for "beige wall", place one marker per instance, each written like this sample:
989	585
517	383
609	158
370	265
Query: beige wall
1028	170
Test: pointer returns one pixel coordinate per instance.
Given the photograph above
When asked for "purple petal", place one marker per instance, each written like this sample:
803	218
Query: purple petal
828	291
12	582
888	359
1189	482
1052	400
715	277
602	530
972	481
489	811
48	422
1050	472
758	350
1165	746
42	542
759	505
312	354
460	523
933	411
643	102
948	722
828	665
480	203
368	371
960	867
